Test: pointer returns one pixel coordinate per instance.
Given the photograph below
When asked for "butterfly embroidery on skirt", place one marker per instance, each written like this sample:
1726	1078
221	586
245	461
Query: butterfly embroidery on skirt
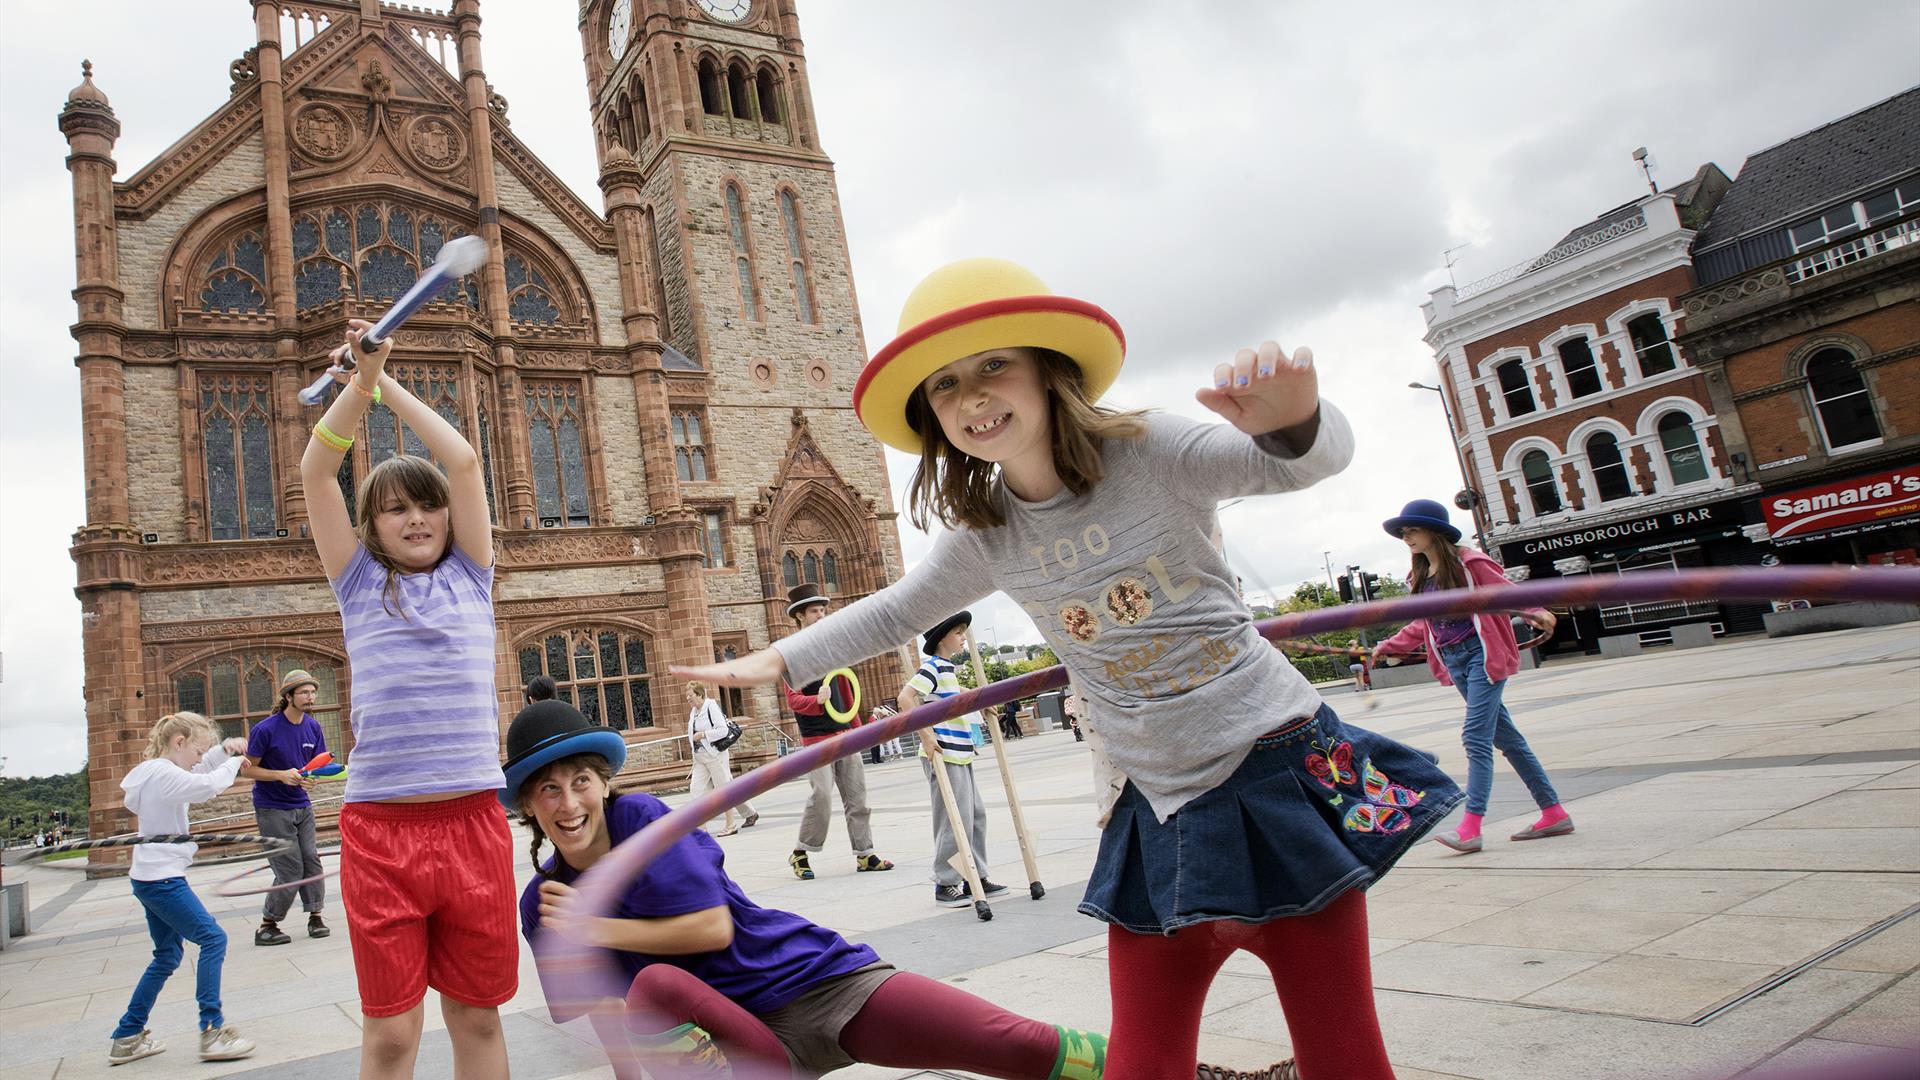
1381	790
1333	767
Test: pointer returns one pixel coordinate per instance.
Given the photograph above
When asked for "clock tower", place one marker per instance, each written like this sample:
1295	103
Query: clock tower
739	310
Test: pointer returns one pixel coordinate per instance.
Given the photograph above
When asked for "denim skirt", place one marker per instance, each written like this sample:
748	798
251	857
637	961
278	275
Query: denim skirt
1317	808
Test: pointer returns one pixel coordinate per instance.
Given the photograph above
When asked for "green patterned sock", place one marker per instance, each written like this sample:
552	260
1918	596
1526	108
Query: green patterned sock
1083	1055
688	1044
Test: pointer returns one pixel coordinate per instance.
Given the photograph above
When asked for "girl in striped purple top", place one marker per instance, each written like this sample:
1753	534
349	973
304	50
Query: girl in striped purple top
426	857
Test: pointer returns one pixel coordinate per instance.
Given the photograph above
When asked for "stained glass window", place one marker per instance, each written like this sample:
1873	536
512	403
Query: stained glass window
796	257
236	278
713	527
601	670
790	569
554	422
236	431
690	444
742	253
529	297
373	251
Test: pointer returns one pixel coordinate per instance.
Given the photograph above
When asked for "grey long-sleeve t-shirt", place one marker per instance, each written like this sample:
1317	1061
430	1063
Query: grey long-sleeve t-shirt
1127	589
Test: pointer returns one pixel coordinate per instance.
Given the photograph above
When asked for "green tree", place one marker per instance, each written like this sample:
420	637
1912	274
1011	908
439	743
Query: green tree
25	797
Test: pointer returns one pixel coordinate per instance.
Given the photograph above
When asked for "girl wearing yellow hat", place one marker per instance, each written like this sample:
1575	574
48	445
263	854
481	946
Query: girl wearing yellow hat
1097	521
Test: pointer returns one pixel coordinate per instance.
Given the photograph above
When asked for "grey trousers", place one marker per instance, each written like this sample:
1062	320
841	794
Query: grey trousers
973	814
301	862
849	774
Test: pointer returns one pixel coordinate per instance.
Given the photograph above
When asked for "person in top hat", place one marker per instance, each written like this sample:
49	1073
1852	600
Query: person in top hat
717	984
1097	521
1475	656
806	605
277	749
952	740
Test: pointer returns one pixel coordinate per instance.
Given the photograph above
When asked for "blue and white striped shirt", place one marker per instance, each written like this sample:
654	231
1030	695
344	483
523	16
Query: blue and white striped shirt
936	679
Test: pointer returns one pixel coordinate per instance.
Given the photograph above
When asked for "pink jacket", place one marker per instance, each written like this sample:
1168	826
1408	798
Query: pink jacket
1497	642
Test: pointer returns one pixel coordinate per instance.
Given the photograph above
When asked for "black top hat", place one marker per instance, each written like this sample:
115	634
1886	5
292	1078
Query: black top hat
546	731
946	626
804	596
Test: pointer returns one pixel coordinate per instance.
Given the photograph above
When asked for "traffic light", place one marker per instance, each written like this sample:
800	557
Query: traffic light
1346	590
1367	583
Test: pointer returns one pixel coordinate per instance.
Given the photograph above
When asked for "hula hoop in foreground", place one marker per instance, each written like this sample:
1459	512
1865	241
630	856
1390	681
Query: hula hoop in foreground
585	978
270	846
226	888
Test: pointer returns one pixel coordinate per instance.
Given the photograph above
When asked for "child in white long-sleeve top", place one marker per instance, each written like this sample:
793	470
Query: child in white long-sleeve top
183	766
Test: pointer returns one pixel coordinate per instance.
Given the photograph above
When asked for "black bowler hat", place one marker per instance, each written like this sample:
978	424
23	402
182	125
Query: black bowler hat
801	597
546	731
946	627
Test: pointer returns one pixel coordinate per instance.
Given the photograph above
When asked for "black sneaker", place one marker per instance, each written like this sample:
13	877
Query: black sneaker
316	926
992	888
270	934
953	895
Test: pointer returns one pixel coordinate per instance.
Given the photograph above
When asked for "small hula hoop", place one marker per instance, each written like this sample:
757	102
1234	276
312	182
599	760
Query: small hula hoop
584	977
225	888
826	697
272	845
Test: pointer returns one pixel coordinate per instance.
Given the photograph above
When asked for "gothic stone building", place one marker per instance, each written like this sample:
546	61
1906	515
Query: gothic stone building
659	390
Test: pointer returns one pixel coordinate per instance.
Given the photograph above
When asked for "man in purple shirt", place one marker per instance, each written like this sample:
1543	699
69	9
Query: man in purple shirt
277	748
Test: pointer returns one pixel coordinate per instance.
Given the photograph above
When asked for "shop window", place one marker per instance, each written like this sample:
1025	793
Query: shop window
1649	336
600	671
1537	469
1841	400
1516	388
1610	477
1576	360
1686	462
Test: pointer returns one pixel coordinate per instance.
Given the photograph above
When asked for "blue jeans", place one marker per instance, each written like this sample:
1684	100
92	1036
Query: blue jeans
1489	726
174	914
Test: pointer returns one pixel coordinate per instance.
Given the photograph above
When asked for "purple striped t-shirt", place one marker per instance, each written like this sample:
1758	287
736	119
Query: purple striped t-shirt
425	715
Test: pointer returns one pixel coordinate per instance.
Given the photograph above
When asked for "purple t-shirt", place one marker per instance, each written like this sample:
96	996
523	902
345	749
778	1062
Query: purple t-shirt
1447	631
775	956
426	720
275	744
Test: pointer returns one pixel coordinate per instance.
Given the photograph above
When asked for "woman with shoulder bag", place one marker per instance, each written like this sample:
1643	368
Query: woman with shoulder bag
711	737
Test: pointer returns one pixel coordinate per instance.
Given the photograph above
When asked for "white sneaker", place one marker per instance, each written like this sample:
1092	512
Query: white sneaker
133	1048
223	1044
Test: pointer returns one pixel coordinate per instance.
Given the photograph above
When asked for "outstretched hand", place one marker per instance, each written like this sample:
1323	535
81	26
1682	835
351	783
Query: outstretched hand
1264	389
763	668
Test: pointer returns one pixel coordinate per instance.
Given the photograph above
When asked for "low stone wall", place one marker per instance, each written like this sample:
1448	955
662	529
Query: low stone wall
1838	617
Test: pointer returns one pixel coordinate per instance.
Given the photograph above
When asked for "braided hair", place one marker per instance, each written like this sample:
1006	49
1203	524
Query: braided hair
601	767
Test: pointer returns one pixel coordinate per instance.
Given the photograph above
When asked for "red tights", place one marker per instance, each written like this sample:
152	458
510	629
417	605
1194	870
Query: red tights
910	1022
1320	968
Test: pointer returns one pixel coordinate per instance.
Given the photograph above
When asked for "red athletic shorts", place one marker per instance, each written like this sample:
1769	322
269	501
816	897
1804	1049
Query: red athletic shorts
429	894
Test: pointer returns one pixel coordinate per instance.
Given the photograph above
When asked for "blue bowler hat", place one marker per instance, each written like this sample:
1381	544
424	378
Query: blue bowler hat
1425	514
546	731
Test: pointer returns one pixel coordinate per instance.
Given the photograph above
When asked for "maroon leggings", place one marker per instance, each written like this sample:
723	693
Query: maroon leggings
910	1022
1320	968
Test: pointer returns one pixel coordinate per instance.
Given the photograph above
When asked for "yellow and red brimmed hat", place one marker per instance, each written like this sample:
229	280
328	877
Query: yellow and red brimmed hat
969	307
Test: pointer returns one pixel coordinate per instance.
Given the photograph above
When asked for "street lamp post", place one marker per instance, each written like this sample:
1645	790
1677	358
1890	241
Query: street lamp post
1460	459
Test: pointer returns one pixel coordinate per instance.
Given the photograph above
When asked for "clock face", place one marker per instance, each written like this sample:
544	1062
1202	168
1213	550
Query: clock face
727	11
619	25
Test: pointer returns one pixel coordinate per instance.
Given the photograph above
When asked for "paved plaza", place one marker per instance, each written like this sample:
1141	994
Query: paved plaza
1740	895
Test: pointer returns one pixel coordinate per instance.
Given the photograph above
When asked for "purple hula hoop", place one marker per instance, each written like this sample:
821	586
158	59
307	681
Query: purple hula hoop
584	977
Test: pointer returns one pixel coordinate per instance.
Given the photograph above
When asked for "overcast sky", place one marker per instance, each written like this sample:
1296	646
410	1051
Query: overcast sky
1212	173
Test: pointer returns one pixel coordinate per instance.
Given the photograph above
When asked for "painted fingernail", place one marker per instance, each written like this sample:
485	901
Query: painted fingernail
1220	382
1243	380
1266	372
